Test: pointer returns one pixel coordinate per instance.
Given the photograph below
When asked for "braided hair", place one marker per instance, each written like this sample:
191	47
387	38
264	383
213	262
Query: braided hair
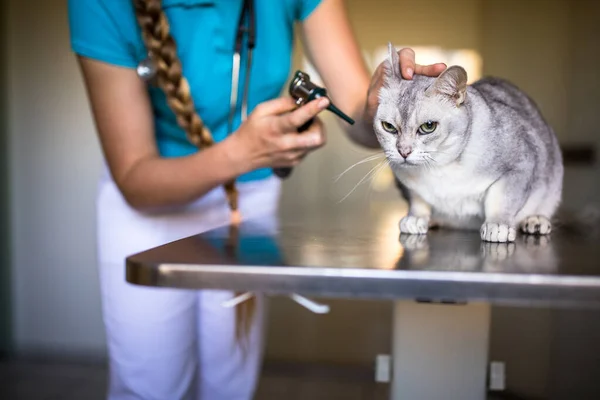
162	50
169	75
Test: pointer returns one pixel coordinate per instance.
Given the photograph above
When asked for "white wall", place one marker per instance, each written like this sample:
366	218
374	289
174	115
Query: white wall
54	161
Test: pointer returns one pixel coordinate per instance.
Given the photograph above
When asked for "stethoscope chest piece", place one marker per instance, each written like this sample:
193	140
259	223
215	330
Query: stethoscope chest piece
146	70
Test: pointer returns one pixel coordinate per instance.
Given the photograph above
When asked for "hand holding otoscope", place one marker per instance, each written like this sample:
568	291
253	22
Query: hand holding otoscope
304	91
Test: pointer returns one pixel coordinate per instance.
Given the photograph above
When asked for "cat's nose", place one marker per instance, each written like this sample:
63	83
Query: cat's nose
405	153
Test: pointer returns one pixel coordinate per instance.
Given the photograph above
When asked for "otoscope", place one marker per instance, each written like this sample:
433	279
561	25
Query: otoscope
304	91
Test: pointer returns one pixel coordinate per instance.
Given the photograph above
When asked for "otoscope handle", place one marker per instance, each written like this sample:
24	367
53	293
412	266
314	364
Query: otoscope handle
304	91
284	172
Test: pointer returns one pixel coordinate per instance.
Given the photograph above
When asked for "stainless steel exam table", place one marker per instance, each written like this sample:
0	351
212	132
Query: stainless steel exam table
443	284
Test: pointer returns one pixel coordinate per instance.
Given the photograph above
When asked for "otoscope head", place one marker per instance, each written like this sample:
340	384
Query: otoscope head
304	91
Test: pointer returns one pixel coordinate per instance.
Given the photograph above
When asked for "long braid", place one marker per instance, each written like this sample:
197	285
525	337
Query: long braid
244	311
169	74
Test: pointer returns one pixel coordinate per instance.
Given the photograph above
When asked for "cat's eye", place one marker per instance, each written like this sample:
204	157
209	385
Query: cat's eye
388	127
428	127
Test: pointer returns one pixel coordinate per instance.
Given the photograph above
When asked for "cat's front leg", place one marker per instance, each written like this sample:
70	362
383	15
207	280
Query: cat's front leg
503	200
418	218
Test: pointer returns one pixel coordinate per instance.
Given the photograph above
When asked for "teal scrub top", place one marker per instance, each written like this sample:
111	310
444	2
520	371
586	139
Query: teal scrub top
204	30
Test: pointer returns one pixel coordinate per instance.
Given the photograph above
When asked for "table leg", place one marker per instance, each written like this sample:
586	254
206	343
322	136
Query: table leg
440	351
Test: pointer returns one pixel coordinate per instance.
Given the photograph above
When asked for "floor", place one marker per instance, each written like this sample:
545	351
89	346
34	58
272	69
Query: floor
51	381
70	381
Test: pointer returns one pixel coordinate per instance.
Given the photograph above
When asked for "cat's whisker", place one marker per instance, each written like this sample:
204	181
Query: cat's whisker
431	158
427	164
424	162
373	176
437	151
428	159
365	160
362	180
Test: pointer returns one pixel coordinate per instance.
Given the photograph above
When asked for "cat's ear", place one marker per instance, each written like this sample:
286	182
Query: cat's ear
452	83
393	61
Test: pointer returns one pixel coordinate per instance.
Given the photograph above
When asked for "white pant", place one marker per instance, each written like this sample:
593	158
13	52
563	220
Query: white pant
172	344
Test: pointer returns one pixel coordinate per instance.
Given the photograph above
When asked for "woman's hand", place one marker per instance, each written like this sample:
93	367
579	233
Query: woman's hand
408	68
332	47
270	138
125	124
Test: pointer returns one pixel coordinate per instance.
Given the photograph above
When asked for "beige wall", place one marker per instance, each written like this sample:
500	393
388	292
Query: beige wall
583	59
528	42
449	24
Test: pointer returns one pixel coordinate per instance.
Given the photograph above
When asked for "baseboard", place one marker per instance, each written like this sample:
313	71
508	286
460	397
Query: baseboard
579	154
60	356
319	370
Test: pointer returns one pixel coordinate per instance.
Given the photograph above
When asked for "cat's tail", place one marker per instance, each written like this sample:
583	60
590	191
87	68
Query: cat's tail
583	221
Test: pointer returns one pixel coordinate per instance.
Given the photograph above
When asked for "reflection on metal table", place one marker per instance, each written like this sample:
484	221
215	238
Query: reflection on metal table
443	283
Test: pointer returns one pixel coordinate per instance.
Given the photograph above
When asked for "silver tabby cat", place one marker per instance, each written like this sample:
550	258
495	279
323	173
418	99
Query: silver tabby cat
477	156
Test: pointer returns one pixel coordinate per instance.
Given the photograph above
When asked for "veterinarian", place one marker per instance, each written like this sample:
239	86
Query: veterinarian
161	78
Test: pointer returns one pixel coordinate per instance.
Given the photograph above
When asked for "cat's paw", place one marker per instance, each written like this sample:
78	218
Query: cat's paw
414	225
498	233
536	225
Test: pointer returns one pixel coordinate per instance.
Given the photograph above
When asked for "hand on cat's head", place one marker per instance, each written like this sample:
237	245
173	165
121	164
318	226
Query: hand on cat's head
408	66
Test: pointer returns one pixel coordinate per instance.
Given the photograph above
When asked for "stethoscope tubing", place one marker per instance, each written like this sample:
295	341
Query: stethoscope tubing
146	69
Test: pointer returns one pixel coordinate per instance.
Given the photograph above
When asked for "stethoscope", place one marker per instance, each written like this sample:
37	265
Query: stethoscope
146	69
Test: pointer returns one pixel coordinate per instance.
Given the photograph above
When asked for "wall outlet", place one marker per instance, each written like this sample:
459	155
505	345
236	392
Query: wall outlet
383	365
497	376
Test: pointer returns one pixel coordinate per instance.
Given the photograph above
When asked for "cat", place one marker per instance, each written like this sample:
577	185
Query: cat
468	156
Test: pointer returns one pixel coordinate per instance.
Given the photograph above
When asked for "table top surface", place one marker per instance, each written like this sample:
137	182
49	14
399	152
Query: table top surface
359	253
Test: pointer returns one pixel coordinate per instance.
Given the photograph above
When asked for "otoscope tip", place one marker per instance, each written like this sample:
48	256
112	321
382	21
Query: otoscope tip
340	114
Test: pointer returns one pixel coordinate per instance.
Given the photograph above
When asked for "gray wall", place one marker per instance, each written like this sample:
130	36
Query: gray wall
5	287
54	160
